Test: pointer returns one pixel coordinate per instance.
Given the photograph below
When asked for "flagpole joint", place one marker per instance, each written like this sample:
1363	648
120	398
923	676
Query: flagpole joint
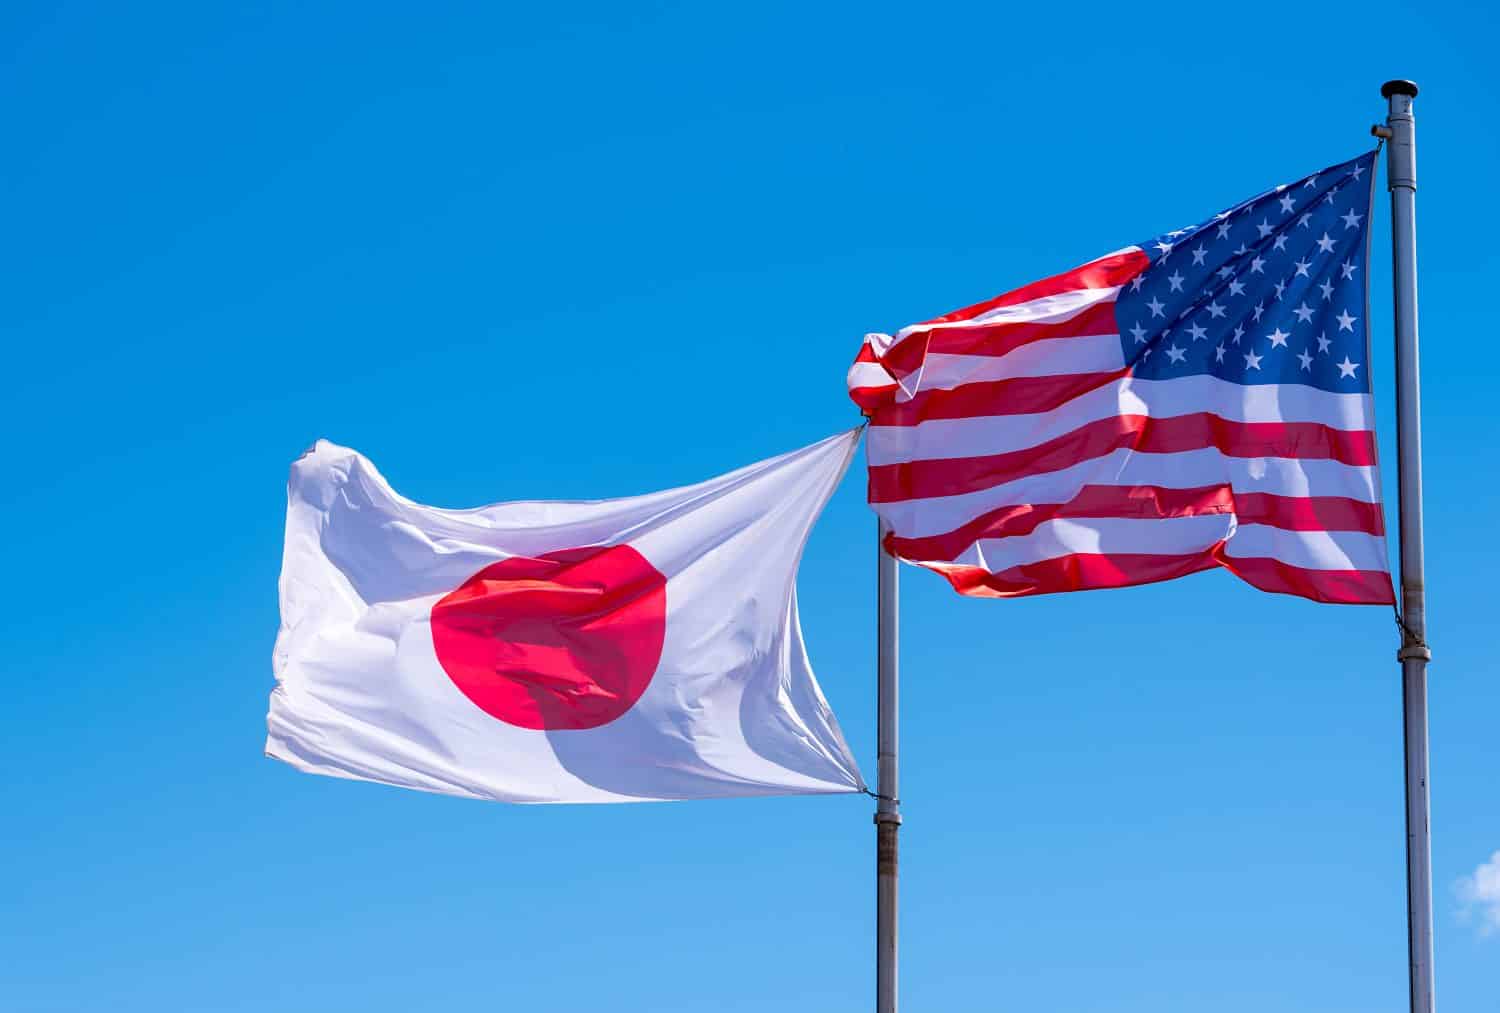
1413	644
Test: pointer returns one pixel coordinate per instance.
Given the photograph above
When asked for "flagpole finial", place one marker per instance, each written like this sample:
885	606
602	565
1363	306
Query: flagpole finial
1400	86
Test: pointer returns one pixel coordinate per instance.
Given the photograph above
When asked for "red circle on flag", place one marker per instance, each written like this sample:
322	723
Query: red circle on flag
564	640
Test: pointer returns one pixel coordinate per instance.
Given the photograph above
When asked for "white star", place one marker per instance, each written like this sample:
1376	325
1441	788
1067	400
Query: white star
1252	361
1137	282
1178	232
1242	250
1346	322
1325	244
1156	306
1199	254
1278	338
1280	243
1215	311
1224	271
1323	344
1348	268
1260	308
1236	288
1139	333
1287	203
1223	228
1327	287
1280	288
1352	220
1311	184
1303	312
1176	354
1302	267
1329	198
1256	265
1306	360
1198	332
1265	228
1304	220
1219	354
1359	171
1175	281
1165	248
1239	332
1346	368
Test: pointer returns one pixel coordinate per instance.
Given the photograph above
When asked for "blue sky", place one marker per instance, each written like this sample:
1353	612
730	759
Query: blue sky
598	250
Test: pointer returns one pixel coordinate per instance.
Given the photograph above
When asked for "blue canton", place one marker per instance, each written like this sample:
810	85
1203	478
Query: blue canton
1272	290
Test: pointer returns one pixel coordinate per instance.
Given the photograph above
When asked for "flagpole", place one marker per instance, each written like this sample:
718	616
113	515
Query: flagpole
1401	180
887	803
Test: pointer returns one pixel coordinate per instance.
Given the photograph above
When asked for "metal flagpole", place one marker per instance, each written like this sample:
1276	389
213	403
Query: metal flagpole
1401	179
887	803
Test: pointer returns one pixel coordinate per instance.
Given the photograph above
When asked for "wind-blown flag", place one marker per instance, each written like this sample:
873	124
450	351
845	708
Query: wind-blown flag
1200	400
610	651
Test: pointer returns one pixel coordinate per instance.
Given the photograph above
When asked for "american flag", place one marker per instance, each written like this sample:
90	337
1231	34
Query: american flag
1200	400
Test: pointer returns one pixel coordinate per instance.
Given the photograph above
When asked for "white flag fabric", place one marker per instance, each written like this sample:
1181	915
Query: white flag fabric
621	650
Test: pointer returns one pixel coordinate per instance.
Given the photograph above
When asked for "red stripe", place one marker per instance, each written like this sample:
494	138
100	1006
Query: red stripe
1021	395
1087	572
949	477
1337	587
869	399
995	339
866	353
1309	513
1076	572
1106	272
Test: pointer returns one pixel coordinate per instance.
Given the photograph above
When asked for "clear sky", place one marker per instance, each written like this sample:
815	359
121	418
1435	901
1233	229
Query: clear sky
595	250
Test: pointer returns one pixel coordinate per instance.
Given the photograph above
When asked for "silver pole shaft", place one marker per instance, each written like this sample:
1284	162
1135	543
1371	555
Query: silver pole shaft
1401	173
887	806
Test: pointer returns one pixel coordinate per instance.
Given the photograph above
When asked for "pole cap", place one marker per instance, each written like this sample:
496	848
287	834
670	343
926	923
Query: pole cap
1400	86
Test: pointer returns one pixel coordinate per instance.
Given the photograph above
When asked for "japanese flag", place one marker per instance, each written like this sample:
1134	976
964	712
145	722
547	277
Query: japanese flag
610	651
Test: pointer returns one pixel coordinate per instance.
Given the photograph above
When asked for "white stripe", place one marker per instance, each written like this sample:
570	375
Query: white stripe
1046	309
1049	357
1311	550
869	374
1279	476
998	434
1100	536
